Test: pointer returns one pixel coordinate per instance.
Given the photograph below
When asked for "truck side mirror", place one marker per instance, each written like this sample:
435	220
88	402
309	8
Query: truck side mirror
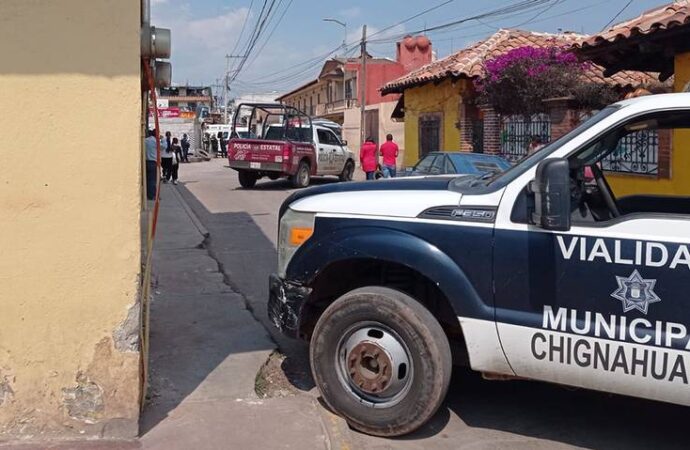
551	189
343	143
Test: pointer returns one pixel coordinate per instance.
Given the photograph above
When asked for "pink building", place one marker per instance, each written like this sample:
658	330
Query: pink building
335	93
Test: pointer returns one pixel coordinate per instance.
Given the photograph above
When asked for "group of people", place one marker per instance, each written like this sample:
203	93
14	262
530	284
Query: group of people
369	157
173	152
217	143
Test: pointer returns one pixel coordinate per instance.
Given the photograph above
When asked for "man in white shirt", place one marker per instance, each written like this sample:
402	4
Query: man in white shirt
151	169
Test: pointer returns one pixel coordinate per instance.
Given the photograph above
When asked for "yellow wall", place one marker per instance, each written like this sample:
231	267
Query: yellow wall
679	183
430	98
70	214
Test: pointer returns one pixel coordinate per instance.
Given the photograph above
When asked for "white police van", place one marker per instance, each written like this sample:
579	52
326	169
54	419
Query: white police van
535	273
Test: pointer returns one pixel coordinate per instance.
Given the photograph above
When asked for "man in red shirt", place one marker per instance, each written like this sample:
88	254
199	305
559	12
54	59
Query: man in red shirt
389	150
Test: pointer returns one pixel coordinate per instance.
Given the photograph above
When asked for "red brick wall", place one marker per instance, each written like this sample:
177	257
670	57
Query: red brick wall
492	130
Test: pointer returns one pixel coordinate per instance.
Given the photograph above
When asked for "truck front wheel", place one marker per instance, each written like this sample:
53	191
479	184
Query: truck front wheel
381	360
247	178
348	171
302	177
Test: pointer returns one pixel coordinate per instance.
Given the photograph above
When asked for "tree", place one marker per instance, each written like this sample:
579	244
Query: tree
517	82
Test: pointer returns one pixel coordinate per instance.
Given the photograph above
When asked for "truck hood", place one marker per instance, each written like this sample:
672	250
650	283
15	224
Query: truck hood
391	198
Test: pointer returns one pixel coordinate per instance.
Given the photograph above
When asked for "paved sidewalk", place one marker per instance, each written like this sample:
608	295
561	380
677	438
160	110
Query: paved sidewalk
206	349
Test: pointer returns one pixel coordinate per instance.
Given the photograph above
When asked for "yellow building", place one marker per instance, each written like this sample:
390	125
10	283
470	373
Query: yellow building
656	41
439	106
70	196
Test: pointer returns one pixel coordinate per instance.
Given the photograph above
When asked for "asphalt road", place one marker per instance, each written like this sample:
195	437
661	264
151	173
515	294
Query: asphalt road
477	413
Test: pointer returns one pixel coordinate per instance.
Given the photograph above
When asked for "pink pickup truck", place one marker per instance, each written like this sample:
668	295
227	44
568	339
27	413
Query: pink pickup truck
284	143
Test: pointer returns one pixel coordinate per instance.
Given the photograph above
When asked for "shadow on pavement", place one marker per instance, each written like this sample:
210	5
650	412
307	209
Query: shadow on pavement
284	184
248	257
197	322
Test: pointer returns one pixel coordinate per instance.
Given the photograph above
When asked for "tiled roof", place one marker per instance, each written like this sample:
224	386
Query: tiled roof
469	62
663	18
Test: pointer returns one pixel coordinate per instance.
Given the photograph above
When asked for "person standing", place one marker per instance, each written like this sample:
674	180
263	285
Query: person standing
223	144
166	157
367	157
536	144
389	151
151	164
185	147
214	145
175	160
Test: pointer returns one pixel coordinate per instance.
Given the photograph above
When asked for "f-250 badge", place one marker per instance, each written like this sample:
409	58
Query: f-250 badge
635	292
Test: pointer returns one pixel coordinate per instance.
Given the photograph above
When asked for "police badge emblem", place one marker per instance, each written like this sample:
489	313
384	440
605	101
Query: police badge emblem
635	292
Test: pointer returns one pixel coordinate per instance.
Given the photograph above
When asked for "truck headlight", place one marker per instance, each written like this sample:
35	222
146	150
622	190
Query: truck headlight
295	229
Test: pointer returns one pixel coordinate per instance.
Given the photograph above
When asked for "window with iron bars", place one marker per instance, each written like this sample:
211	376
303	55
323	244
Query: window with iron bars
517	133
636	153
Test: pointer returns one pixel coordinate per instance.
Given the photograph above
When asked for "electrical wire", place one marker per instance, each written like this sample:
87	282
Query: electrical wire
426	11
521	6
616	16
244	25
275	26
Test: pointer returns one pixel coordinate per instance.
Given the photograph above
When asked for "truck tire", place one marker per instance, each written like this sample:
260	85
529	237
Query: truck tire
381	360
348	171
247	179
302	177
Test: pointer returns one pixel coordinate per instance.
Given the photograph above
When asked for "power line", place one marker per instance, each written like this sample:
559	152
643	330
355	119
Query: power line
616	16
318	60
534	17
521	6
244	25
275	26
426	11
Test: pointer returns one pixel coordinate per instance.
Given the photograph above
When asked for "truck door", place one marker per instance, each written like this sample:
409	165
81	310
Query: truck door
605	304
338	150
326	152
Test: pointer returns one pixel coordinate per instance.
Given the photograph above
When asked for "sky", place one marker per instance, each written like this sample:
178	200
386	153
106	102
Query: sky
297	40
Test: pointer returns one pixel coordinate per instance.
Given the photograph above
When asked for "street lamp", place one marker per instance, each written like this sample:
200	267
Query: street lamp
342	24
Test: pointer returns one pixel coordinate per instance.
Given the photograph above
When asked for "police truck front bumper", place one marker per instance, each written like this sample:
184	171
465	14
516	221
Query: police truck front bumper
285	304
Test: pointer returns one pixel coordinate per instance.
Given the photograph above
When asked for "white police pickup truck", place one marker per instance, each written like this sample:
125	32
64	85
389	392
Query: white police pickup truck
539	272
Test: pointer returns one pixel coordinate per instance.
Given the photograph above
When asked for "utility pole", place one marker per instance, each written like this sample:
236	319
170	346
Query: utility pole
226	78
363	88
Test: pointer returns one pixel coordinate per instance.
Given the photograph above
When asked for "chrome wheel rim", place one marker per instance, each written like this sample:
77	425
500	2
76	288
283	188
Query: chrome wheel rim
374	365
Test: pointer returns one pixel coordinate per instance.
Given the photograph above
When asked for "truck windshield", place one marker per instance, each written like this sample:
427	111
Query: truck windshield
501	179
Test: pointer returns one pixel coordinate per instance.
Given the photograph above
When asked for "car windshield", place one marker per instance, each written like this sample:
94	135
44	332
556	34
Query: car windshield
529	161
477	163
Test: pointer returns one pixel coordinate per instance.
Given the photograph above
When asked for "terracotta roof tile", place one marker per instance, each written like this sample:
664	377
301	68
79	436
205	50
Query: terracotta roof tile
469	61
662	18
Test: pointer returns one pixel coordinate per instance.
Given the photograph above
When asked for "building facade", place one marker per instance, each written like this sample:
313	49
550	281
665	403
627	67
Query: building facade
70	225
335	94
440	111
186	98
659	41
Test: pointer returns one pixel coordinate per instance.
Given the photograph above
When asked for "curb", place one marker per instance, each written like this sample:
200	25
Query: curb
195	220
336	428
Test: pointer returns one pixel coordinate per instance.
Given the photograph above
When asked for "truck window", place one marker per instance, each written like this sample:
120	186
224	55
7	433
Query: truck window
323	136
332	138
595	188
275	133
